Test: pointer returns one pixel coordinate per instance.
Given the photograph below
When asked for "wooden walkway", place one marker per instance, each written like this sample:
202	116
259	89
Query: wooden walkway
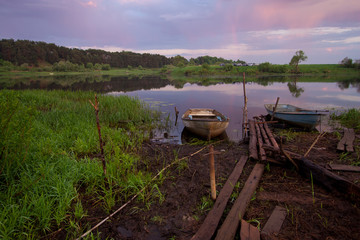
262	140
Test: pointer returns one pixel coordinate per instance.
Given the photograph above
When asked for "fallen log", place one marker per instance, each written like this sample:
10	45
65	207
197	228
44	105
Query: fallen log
260	143
321	175
329	180
252	143
271	136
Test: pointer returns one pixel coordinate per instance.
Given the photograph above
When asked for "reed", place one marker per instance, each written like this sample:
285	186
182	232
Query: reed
49	148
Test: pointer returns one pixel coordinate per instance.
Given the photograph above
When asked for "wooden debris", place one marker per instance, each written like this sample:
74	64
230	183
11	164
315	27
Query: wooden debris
274	223
346	143
328	179
231	223
341	167
260	143
253	140
211	221
248	231
271	136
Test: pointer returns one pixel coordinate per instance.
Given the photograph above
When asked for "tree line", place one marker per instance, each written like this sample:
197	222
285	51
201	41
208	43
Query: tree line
34	53
31	53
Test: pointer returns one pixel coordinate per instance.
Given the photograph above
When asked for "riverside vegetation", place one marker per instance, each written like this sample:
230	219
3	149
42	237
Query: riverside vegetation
50	156
50	159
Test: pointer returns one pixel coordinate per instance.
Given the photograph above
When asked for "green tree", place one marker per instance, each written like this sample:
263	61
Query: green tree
347	62
296	59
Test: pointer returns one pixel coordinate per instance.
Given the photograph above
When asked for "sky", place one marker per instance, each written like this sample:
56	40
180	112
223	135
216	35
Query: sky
254	31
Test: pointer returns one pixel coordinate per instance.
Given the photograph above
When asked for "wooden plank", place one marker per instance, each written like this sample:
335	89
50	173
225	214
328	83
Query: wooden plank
211	221
272	139
253	140
274	223
231	223
260	143
346	143
248	231
341	167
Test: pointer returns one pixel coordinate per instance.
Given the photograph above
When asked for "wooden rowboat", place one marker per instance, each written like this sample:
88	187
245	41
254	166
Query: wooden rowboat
205	122
295	115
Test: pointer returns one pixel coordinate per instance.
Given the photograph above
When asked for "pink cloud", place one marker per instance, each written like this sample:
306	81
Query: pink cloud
304	14
89	4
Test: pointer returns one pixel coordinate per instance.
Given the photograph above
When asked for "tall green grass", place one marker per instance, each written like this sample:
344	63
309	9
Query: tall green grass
349	118
49	150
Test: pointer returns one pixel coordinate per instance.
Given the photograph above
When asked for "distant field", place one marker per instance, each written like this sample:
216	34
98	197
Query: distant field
191	71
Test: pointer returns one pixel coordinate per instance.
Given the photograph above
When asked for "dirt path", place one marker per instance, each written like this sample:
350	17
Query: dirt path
186	192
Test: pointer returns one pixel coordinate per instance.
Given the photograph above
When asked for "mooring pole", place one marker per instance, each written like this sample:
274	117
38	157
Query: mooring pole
212	172
245	123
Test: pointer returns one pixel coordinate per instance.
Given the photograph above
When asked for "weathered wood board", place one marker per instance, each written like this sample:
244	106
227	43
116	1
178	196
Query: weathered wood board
248	231
211	221
232	221
342	167
346	143
274	223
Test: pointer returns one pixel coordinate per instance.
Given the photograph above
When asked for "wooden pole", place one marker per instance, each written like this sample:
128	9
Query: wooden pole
277	101
245	123
176	115
212	172
96	107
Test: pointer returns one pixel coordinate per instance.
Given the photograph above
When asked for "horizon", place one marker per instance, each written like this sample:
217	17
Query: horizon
255	32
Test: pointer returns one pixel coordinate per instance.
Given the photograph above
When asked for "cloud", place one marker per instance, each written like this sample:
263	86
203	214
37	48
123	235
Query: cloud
349	40
139	2
317	31
305	13
89	4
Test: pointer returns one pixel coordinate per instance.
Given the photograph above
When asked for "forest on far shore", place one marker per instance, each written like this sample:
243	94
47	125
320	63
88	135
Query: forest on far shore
35	54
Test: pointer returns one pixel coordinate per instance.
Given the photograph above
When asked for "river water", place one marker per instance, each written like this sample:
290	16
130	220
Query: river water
226	97
229	100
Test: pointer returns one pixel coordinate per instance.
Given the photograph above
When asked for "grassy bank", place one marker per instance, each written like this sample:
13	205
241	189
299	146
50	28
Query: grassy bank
50	153
264	69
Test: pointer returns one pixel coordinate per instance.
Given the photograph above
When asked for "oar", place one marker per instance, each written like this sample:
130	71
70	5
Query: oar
277	101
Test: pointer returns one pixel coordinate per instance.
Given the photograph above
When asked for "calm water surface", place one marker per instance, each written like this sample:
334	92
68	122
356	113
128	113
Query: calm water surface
229	100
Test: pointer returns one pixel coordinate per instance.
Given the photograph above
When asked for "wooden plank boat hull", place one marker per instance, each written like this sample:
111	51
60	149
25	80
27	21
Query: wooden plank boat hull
207	123
295	115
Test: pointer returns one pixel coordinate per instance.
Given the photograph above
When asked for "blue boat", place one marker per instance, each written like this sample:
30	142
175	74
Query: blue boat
295	115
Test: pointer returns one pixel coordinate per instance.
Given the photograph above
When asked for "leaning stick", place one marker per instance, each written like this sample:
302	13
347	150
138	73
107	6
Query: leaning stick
135	196
313	144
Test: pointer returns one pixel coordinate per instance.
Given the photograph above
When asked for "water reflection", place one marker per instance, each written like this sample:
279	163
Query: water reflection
226	97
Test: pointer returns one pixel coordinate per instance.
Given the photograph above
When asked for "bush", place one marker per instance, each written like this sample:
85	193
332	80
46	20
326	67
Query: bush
264	67
105	67
89	65
228	67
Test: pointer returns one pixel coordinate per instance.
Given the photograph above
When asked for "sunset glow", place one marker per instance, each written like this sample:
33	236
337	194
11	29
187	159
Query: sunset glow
253	31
